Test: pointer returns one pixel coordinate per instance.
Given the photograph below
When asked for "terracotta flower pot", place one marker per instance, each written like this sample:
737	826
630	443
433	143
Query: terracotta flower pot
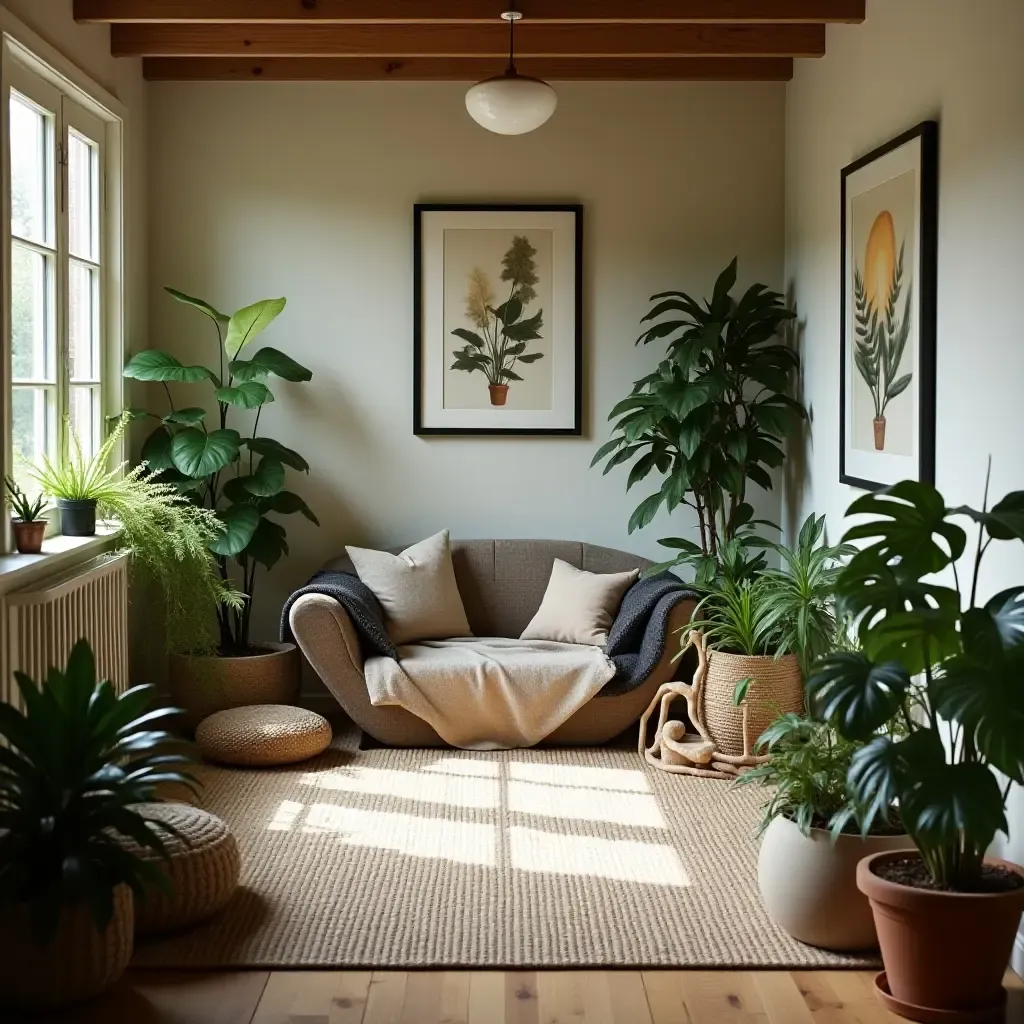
77	963
878	425
28	537
809	884
208	683
499	392
944	952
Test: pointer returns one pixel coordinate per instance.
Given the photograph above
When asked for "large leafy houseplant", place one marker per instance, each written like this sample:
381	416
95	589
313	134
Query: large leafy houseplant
946	667
78	760
712	417
169	537
238	476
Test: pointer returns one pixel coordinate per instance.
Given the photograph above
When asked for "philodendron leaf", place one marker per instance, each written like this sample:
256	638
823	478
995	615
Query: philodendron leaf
287	503
249	395
156	451
1004	521
269	361
268	543
248	322
267	480
240	522
856	695
203	307
276	450
198	454
190	417
162	366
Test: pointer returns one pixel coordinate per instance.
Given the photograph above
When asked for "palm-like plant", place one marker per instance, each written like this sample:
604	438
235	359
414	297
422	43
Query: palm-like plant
735	616
800	597
79	758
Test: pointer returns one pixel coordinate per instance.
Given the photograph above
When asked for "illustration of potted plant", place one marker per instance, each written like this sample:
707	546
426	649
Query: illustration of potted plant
502	334
880	336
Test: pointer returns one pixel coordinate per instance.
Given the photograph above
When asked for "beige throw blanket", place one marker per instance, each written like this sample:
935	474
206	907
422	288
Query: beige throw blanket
489	693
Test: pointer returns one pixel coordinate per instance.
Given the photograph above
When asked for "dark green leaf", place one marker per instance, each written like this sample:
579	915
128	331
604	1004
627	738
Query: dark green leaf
203	307
645	512
857	696
276	450
250	395
197	454
190	417
269	361
287	503
240	522
267	480
156	450
154	365
268	543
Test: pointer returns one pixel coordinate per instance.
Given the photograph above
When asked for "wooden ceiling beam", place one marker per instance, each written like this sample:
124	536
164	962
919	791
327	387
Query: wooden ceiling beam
532	40
468	11
448	69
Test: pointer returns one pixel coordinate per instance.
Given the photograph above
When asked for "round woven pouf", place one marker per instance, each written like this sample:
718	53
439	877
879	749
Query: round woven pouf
263	735
203	872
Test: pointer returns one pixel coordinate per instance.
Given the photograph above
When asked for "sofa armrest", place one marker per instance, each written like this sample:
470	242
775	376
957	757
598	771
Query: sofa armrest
325	634
666	668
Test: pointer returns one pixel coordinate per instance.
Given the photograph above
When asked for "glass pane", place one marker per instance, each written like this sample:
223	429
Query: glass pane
33	430
29	171
83	197
84	322
85	418
31	323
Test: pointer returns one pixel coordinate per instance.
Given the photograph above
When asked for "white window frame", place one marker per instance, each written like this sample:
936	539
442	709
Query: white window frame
36	70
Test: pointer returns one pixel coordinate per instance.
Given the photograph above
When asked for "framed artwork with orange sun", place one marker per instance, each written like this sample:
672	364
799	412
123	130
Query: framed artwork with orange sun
887	386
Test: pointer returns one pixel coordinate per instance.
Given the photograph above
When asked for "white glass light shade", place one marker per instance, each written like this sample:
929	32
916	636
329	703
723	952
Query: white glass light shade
511	104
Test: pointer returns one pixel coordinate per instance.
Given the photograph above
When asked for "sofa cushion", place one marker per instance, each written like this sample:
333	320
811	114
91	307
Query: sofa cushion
579	606
416	588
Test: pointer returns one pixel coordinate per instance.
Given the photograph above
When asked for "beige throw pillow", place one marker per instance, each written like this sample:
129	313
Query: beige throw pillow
416	589
579	606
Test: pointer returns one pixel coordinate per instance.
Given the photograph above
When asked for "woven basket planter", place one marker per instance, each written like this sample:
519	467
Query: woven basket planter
206	684
77	963
777	687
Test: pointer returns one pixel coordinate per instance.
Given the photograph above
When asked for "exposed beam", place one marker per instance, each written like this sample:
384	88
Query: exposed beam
469	11
472	69
532	40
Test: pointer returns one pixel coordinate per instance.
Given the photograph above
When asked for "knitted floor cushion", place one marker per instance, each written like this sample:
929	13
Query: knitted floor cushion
263	735
203	872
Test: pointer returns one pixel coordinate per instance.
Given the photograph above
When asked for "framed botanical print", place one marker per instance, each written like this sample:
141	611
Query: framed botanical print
497	337
889	233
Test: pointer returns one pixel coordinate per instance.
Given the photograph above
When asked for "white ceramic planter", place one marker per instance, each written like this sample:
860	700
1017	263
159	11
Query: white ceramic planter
809	884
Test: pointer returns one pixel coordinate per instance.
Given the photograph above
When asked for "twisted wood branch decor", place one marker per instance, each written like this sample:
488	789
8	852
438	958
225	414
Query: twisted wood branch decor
684	753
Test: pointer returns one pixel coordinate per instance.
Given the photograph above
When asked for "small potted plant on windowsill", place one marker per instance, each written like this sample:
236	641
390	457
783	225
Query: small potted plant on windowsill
28	524
79	761
949	671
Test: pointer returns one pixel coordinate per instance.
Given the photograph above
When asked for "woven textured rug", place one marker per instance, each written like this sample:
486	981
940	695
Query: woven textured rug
524	858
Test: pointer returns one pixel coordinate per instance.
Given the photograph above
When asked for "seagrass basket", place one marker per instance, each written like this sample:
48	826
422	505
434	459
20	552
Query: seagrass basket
777	687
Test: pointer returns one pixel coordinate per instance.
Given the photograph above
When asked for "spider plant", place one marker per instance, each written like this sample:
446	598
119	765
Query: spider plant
168	535
800	596
25	509
78	759
735	616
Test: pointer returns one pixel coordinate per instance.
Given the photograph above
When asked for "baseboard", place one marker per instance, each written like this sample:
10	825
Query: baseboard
1017	956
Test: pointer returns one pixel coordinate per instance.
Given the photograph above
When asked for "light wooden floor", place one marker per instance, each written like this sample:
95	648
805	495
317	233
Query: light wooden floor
495	997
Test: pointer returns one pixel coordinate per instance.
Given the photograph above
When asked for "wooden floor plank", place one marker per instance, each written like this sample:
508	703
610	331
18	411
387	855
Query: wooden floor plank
628	999
721	997
560	997
455	997
385	998
781	998
487	997
521	998
664	999
334	997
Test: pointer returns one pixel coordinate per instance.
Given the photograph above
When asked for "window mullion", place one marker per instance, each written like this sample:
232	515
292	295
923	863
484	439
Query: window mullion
63	368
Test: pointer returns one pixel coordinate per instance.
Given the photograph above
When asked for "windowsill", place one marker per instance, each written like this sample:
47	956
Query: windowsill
58	553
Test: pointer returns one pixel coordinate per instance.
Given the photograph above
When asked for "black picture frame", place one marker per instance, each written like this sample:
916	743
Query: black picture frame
926	299
419	209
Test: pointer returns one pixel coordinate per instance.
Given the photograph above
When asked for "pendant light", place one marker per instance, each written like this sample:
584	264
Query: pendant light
511	104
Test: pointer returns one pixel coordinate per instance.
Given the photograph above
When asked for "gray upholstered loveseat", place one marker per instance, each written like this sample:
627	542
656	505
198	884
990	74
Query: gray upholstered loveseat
502	583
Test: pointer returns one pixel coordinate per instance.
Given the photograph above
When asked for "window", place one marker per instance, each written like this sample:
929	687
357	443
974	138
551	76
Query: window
58	282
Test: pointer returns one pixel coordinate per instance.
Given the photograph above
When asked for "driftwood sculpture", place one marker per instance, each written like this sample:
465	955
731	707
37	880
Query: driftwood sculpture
674	748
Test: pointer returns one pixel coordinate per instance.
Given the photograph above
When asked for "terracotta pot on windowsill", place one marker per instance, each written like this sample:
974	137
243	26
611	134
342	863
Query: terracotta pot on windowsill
28	537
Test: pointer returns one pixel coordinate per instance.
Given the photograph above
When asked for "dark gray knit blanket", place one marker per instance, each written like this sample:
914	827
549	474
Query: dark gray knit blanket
357	599
636	640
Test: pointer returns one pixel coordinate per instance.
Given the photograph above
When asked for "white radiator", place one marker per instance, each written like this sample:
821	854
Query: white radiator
45	619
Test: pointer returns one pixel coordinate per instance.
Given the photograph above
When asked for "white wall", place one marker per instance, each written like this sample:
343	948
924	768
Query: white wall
306	190
959	63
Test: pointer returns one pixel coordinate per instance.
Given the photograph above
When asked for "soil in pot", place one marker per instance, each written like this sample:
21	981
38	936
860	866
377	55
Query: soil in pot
944	952
911	871
28	537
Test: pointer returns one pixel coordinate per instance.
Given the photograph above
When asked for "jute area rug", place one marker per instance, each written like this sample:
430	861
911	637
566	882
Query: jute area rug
525	858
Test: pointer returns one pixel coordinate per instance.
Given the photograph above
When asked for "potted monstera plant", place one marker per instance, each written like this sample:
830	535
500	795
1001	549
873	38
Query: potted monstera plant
77	763
214	452
949	669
